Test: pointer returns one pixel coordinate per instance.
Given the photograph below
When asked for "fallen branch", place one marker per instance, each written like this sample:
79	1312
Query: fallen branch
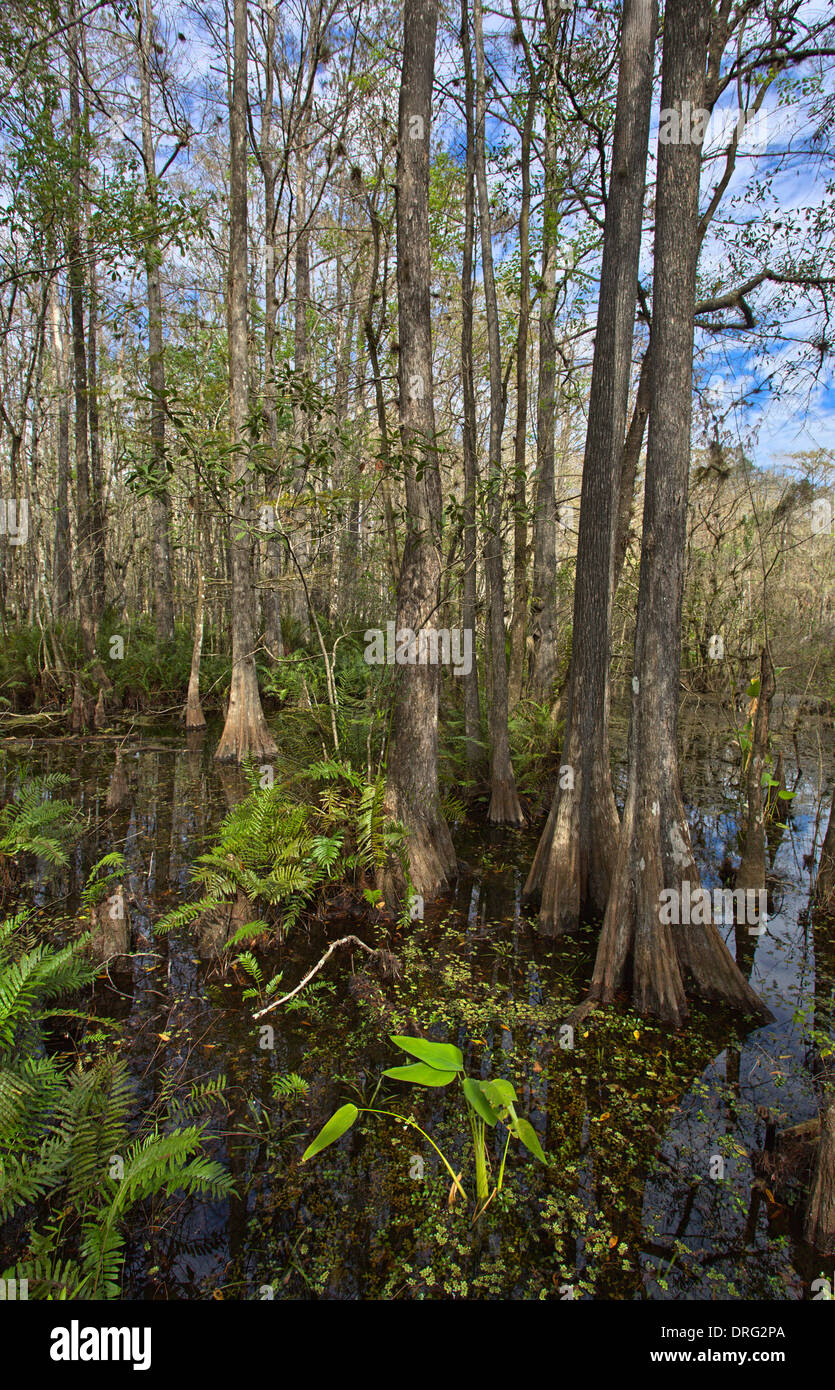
343	941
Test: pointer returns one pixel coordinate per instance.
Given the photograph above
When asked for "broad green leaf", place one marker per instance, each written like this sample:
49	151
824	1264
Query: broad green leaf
525	1131
421	1075
500	1093
444	1056
333	1130
475	1095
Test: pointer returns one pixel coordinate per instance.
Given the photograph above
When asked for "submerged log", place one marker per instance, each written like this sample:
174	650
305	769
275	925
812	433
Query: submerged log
100	712
110	927
785	1161
825	883
819	1225
215	927
751	872
78	714
118	792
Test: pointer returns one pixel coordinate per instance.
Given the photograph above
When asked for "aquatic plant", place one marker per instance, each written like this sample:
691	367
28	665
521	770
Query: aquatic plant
487	1103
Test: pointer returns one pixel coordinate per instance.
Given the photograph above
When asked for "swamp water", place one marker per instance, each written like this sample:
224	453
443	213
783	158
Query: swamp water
649	1133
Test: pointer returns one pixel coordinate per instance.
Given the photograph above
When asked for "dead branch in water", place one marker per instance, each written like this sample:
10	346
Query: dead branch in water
384	957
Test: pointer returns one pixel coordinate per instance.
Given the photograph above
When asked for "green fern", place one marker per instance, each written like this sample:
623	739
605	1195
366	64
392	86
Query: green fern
283	853
34	822
62	1127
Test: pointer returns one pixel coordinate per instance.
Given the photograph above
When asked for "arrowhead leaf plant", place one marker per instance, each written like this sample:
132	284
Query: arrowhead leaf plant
486	1104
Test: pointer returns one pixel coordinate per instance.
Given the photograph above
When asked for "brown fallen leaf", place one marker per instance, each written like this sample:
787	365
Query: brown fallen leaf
453	1191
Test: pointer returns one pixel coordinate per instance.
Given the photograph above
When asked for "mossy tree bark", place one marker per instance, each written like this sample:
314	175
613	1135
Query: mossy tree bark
575	859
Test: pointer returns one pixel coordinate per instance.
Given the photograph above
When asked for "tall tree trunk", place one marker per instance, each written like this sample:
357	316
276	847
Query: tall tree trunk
97	520
372	341
75	275
97	517
819	1222
272	545
632	446
412	792
299	527
160	503
194	716
654	852
346	553
544	581
575	858
504	803
519	617
245	731
61	563
472	711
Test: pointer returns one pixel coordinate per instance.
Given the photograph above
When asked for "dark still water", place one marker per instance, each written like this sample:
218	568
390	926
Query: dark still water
649	1190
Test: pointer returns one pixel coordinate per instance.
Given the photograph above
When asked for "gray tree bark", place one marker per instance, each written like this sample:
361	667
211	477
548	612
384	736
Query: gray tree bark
654	851
412	792
543	617
504	805
163	587
61	561
474	749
